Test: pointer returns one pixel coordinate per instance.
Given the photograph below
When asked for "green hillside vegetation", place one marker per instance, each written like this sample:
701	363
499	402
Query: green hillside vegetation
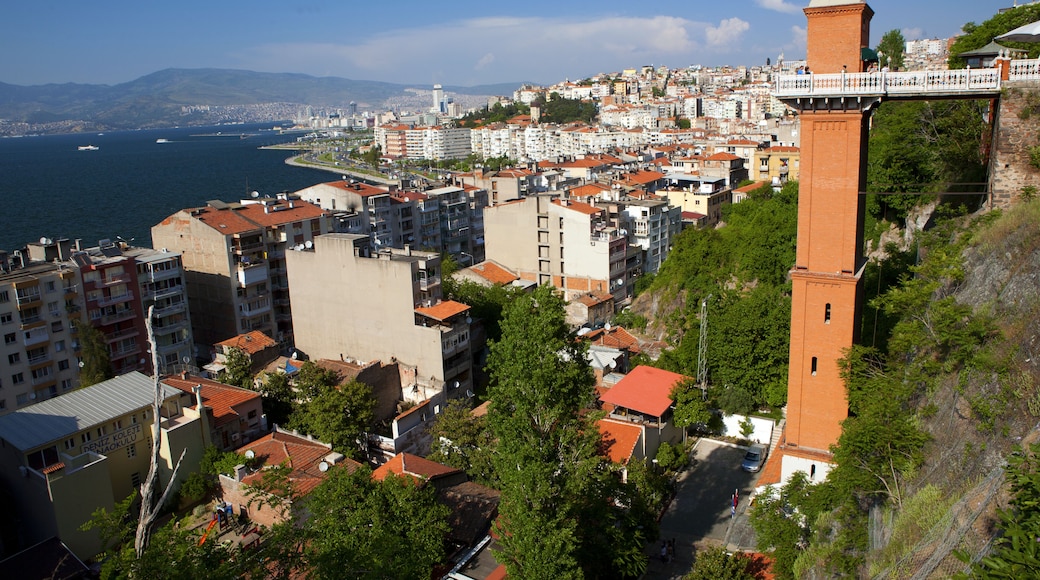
931	416
978	35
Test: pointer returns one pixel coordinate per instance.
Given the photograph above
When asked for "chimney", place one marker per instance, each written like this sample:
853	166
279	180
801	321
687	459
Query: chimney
240	472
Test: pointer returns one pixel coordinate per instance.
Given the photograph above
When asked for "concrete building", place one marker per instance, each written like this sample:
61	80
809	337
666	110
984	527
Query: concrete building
160	279
233	255
776	165
567	244
62	459
38	359
351	302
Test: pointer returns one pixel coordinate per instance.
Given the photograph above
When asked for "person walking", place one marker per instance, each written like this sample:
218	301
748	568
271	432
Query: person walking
733	508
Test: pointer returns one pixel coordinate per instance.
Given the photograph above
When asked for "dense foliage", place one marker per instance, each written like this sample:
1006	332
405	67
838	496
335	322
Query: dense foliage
95	365
741	269
496	113
979	35
890	49
557	109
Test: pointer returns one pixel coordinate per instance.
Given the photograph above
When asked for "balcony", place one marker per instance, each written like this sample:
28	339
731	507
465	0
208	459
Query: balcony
110	300
255	309
28	322
249	274
29	298
124	351
37	336
167	292
164	274
118	316
426	281
241	247
168	310
115	279
121	334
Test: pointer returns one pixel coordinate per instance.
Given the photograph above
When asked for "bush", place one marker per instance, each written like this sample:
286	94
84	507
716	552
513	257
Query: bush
671	457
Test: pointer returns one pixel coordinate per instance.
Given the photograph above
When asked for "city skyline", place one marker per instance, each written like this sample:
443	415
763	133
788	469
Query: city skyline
473	44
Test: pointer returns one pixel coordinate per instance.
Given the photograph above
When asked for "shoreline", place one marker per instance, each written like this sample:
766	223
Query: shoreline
340	170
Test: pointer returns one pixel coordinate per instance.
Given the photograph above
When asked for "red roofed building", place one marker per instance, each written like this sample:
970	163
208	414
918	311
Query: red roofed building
487	273
307	459
233	256
424	470
261	349
644	397
234	415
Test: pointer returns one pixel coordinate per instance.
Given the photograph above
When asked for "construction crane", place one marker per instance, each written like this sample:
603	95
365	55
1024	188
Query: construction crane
702	350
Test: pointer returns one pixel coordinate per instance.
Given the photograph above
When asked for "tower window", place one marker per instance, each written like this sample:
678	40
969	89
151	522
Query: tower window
827	313
814	366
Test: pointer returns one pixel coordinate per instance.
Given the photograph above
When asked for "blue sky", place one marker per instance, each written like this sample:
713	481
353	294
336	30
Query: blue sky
462	42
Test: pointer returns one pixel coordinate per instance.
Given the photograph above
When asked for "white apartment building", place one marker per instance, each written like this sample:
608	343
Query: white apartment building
160	280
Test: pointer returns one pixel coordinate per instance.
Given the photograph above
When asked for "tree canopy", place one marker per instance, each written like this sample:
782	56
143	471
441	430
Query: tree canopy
979	35
891	48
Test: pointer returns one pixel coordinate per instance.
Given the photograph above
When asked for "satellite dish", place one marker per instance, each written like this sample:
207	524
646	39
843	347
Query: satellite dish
323	466
250	454
606	327
308	244
295	355
455	385
186	359
255	194
469	320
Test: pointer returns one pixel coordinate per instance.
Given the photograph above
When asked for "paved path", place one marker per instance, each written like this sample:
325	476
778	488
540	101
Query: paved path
699	516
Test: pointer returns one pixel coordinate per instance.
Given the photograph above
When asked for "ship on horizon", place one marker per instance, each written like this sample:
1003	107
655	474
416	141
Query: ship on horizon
88	148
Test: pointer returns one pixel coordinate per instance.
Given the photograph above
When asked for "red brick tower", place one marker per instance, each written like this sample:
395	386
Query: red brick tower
826	278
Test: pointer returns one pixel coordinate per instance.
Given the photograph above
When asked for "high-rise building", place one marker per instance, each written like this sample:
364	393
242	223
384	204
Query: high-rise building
233	255
438	99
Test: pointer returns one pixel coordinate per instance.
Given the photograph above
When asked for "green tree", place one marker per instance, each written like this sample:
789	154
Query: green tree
465	442
891	48
486	302
979	35
781	522
691	408
546	453
341	416
95	365
278	398
238	369
312	380
718	564
362	528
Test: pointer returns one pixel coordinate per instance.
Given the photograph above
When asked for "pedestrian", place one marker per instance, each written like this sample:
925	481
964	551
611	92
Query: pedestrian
664	551
733	508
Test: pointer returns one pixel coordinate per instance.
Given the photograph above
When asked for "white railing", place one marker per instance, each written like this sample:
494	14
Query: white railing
1025	70
890	83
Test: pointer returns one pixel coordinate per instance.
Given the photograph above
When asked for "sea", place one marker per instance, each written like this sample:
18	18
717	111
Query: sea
51	189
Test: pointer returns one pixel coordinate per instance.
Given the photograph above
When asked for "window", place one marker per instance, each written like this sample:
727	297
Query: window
59	346
131	450
50	286
814	366
135	480
70	443
66	384
827	314
63	365
117	424
5	296
22	399
10	338
17	379
6	318
85	437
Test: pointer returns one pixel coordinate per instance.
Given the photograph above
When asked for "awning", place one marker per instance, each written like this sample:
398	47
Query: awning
868	54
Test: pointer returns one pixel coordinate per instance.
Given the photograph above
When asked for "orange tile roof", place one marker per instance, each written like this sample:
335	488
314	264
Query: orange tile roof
783	149
301	455
52	468
281	213
643	177
414	466
724	156
594	298
494	273
616	337
578	206
618	439
225	221
443	310
750	187
645	389
251	342
222	399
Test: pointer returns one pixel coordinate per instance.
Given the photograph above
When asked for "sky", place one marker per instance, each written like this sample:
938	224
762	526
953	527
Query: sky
460	42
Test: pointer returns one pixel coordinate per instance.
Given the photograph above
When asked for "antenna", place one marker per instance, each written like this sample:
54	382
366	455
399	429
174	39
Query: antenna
702	350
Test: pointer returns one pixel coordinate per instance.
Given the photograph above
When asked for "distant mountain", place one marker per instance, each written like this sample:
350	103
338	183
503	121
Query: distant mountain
158	99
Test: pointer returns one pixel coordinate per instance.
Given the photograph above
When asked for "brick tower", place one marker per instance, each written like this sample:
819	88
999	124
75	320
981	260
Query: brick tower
826	278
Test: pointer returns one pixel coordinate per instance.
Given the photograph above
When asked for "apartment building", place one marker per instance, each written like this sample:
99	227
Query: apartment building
160	280
38	360
777	164
352	302
701	195
62	459
400	141
651	224
233	255
567	244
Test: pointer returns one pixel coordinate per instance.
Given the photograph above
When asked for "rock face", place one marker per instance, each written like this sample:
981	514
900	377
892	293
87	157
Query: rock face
1018	119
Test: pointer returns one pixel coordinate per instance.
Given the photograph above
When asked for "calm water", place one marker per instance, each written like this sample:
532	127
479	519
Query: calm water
48	188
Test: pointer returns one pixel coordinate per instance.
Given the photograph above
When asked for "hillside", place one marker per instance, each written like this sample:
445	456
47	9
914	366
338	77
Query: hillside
157	99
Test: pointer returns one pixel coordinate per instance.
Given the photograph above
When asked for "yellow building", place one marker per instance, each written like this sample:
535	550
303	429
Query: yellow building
63	458
776	165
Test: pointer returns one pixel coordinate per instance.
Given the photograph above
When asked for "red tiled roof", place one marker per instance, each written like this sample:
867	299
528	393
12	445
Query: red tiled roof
588	189
221	398
578	206
301	455
643	177
645	389
251	342
616	337
594	298
443	310
225	221
494	273
750	187
281	213
359	188
619	439
52	468
723	156
414	466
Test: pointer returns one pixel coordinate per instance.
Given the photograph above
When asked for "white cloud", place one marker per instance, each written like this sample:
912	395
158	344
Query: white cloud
485	60
913	33
779	6
536	49
727	33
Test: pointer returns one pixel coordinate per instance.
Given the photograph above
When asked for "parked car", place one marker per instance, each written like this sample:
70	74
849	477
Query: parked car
754	458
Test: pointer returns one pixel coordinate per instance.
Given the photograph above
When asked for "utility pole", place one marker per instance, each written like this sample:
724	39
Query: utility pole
702	350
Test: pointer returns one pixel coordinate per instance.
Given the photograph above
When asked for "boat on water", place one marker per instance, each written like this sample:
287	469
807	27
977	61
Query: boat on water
88	148
162	140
